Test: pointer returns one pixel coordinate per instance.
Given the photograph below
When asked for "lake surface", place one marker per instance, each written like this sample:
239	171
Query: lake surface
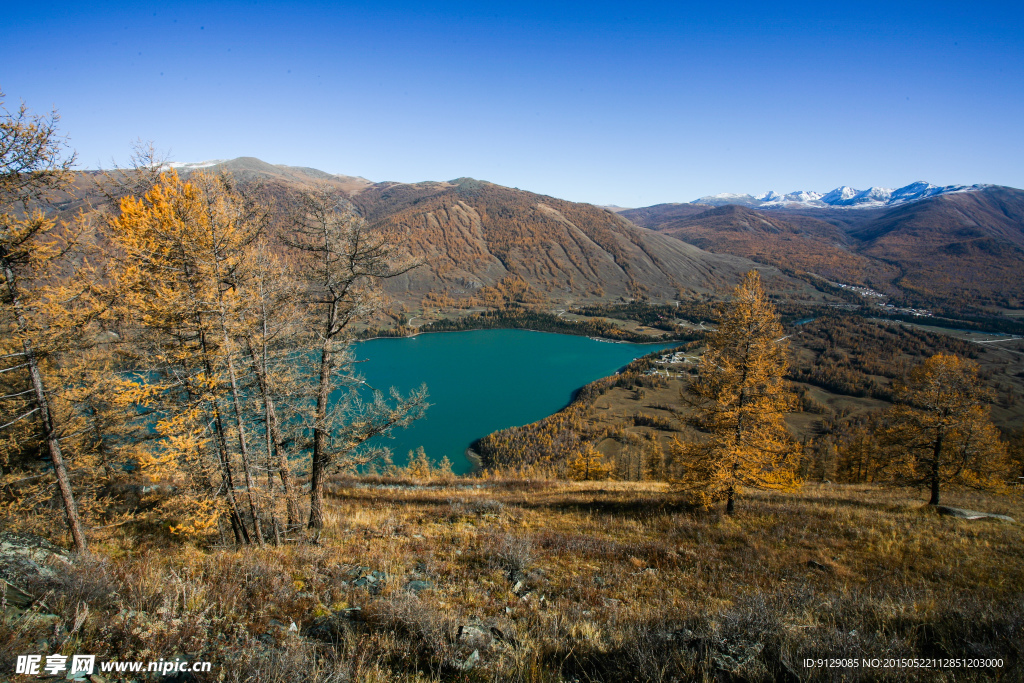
485	380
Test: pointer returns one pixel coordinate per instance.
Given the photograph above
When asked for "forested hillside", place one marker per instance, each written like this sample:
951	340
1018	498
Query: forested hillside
961	250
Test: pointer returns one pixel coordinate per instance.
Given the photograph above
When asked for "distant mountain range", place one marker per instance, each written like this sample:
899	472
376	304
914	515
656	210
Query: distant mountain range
840	198
963	247
954	245
472	236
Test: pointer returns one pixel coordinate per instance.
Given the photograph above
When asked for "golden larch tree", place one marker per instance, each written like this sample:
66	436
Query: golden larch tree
739	401
343	263
588	464
942	431
179	253
32	163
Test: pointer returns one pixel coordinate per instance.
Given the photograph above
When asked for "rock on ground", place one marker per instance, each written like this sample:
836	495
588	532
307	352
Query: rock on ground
961	513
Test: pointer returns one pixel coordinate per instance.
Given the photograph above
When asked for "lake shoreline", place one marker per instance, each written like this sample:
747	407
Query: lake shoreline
524	329
484	383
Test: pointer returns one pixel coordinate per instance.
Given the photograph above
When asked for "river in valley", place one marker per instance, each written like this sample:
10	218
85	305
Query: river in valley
485	380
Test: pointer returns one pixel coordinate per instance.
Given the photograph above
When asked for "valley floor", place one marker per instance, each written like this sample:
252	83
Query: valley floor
507	580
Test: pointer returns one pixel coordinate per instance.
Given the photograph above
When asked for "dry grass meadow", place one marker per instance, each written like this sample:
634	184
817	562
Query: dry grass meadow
559	581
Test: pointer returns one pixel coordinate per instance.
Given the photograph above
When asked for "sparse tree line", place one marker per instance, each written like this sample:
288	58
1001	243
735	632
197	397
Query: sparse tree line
938	434
166	359
851	355
517	317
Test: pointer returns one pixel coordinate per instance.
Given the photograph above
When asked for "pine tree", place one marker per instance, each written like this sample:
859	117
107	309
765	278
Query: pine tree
739	401
942	429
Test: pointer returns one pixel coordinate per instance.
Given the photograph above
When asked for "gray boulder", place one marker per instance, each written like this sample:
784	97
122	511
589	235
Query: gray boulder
417	585
474	636
961	513
334	627
26	559
372	580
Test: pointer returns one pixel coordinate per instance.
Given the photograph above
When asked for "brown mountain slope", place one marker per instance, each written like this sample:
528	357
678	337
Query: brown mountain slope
249	169
789	241
472	234
963	248
659	214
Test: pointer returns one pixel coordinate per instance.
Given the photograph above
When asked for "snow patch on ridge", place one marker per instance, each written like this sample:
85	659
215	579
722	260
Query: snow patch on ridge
843	197
192	165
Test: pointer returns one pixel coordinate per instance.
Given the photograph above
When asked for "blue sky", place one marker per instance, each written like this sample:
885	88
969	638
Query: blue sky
624	103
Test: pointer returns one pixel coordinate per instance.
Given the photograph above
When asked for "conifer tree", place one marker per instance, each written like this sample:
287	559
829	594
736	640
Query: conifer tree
654	463
739	400
942	429
32	163
273	316
344	263
179	253
588	464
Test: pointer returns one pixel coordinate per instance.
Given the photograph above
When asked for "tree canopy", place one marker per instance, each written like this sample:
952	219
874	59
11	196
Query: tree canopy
941	428
739	400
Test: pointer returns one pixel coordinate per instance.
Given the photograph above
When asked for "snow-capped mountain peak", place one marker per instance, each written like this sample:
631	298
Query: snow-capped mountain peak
843	193
843	197
801	197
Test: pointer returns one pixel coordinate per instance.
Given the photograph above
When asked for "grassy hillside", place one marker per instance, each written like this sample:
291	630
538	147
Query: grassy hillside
505	580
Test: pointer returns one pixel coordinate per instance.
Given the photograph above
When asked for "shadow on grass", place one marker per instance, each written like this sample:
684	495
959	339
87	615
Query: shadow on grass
588	504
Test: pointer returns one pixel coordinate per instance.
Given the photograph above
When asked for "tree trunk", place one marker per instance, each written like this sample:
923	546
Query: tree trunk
241	532
52	442
270	445
273	435
242	444
730	505
237	403
934	500
319	465
273	502
238	524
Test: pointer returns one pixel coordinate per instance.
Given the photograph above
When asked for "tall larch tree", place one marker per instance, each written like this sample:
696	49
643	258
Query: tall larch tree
33	162
179	253
738	403
942	431
344	264
273	316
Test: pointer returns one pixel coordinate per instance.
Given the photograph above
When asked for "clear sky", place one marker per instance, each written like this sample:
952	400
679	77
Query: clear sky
626	103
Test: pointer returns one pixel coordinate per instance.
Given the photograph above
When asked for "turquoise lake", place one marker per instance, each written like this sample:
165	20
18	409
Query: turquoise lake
485	380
